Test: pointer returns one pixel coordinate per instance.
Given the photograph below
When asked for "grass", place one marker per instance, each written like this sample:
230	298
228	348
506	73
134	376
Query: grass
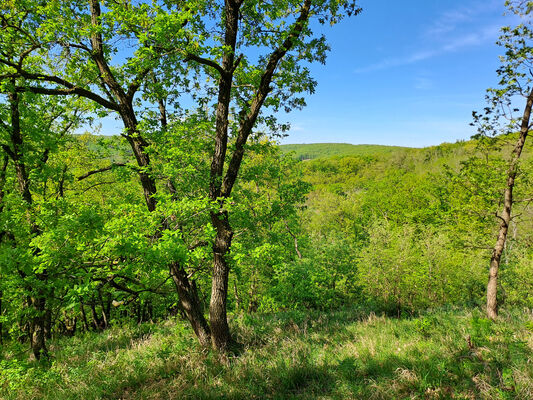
340	355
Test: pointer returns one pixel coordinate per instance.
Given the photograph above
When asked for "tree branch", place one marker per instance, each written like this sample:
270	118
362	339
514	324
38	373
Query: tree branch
136	83
205	61
7	150
248	121
96	171
97	184
70	91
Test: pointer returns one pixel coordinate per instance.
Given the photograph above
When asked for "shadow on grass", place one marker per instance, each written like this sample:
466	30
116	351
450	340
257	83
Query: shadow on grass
394	377
453	369
340	355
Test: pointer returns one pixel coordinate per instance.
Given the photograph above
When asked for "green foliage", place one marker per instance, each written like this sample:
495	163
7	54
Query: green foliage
325	150
416	225
398	230
481	329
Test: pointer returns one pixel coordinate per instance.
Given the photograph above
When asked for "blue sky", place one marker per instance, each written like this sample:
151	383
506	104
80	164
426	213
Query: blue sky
404	73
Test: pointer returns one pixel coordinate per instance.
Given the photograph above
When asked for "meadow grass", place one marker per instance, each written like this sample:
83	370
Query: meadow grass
349	354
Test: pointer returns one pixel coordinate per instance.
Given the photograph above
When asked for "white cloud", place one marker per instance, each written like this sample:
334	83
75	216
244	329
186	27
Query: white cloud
484	35
452	31
297	128
449	20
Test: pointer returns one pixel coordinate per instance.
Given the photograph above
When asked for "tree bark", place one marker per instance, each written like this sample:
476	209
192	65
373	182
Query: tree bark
38	336
84	317
187	290
505	217
124	105
190	304
2	233
220	333
221	184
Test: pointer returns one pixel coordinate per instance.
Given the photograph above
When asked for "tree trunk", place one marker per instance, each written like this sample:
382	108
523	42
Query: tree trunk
48	323
38	338
37	295
253	304
220	334
84	317
221	184
2	233
190	304
505	218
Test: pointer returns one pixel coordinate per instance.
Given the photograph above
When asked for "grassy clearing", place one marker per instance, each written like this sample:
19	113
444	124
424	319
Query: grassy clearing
341	355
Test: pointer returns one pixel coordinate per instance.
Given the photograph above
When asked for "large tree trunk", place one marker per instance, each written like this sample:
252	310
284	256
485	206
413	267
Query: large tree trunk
221	184
505	217
220	334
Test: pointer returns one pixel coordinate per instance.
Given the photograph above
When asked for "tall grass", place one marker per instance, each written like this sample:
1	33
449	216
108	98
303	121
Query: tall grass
347	354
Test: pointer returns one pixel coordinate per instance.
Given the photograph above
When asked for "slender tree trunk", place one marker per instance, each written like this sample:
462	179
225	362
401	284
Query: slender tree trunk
2	233
84	317
252	301
106	307
505	217
48	323
190	304
38	336
37	294
238	302
298	253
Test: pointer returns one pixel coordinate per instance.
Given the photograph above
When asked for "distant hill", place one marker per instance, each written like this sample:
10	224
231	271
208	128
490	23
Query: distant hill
319	150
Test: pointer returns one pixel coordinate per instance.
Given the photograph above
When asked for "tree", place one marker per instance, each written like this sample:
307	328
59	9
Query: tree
206	48
29	139
74	46
498	118
274	80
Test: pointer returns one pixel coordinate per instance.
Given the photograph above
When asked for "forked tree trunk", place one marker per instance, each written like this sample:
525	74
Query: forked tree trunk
221	184
505	217
220	334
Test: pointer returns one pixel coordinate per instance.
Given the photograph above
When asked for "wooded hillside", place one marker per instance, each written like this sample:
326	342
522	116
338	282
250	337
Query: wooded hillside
190	234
